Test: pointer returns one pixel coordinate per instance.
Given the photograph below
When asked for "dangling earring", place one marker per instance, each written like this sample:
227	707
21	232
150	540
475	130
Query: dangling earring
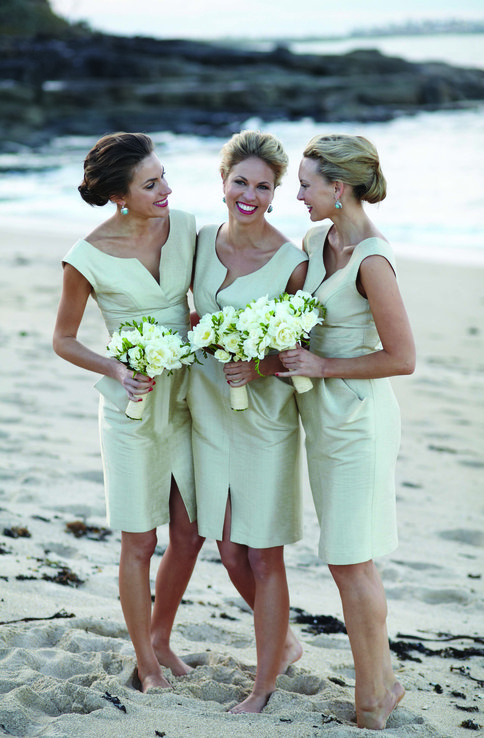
338	205
223	198
270	209
124	210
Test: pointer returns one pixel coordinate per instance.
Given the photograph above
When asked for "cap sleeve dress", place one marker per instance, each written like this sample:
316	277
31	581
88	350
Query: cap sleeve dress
140	457
254	453
352	426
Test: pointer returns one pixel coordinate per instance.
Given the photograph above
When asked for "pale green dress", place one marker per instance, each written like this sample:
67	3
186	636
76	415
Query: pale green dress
352	426
140	457
253	453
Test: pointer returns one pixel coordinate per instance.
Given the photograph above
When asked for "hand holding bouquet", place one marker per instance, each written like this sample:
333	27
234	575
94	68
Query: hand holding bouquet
291	321
150	349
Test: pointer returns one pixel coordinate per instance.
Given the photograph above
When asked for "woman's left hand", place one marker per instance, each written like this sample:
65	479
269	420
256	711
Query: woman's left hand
301	362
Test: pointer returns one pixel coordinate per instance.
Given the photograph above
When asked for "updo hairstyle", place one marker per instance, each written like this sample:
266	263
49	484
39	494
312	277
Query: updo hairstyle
350	159
110	164
247	144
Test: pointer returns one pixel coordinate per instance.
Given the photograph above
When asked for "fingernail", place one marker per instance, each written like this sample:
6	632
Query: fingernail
277	374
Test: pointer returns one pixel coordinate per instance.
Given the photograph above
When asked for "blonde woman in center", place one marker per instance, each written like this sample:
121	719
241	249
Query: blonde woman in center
247	463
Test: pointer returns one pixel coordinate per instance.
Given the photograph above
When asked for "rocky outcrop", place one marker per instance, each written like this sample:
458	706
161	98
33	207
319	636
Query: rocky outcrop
97	83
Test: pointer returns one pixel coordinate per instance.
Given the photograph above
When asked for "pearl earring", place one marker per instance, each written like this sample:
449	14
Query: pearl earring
124	210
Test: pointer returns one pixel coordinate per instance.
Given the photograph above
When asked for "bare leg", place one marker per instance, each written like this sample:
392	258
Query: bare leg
173	575
377	690
134	589
235	558
271	617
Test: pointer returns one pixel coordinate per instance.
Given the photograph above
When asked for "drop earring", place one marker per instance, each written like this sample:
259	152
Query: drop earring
223	198
124	210
270	209
338	205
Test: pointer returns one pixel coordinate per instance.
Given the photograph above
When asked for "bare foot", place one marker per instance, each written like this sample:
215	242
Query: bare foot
292	652
254	703
166	657
153	680
376	719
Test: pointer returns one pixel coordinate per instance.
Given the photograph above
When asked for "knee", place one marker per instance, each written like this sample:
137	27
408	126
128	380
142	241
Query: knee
187	540
233	556
264	562
350	575
140	546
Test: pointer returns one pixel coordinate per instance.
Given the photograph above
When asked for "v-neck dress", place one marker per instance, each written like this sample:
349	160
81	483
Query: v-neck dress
140	457
352	426
254	453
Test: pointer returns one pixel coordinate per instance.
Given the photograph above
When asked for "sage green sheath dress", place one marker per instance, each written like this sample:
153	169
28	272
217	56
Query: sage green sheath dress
252	455
352	426
140	457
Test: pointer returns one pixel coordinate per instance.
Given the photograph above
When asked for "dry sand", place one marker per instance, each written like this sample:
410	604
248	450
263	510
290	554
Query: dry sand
72	676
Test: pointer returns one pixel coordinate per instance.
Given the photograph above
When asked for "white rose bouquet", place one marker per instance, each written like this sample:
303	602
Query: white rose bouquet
292	320
150	349
218	334
249	333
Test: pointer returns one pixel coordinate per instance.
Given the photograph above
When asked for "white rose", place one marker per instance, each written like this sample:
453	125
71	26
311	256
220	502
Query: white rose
284	334
309	320
202	335
222	356
159	356
230	342
252	348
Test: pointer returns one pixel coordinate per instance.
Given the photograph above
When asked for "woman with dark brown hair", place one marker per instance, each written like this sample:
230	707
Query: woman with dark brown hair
138	263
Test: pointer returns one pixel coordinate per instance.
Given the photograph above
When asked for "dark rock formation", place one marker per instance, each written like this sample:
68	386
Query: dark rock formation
93	83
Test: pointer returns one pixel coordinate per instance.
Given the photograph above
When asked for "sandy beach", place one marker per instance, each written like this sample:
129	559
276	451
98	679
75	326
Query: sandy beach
66	663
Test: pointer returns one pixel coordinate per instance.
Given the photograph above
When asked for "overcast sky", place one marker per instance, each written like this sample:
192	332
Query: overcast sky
256	18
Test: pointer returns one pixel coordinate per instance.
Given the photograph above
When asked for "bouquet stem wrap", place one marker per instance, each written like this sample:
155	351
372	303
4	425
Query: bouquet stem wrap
239	399
301	384
134	410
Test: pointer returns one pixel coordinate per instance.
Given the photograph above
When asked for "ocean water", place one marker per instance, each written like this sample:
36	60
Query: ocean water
433	162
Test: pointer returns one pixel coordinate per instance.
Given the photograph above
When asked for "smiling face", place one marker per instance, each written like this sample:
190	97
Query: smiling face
317	192
148	192
249	189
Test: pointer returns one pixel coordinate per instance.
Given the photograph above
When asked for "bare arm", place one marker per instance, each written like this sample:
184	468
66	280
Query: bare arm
75	293
397	355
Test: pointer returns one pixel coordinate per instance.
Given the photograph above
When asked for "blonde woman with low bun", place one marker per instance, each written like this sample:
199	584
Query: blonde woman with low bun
351	417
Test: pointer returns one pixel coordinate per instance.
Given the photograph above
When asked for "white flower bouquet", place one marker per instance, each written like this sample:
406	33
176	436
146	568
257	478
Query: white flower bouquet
150	349
291	321
218	334
249	333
